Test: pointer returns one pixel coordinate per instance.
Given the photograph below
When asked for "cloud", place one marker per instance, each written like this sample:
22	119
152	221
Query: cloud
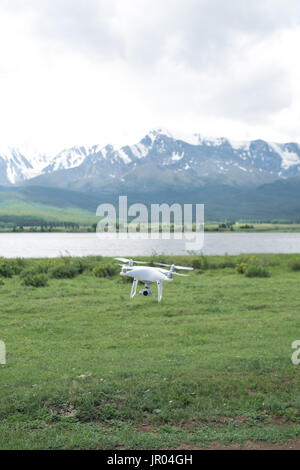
142	32
75	71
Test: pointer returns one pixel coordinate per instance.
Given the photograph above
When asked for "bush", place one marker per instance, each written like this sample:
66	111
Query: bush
1	281
80	264
227	262
201	262
19	264
254	270
31	278
64	271
204	261
212	265
6	267
9	267
294	264
196	263
105	270
244	259
241	267
90	262
41	267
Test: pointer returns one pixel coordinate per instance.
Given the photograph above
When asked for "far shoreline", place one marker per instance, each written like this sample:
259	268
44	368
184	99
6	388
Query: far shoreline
209	227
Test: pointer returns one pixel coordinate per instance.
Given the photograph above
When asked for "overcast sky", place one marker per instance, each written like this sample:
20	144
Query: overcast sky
107	71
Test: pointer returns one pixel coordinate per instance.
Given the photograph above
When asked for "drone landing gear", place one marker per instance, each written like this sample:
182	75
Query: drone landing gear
133	289
146	292
159	290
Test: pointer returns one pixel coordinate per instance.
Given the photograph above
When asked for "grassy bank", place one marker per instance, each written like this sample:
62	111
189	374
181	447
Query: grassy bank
89	368
252	227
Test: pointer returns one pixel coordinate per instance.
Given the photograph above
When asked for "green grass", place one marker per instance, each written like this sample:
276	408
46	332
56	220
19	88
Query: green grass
13	210
88	368
254	227
15	207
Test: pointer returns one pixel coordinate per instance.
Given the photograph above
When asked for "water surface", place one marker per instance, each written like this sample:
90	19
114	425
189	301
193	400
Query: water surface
39	245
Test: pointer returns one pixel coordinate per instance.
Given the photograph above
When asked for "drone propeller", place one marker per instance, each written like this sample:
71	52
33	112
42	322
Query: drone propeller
130	261
175	267
166	272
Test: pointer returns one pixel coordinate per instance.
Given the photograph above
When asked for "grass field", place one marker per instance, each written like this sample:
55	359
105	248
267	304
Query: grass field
18	213
254	227
49	213
88	368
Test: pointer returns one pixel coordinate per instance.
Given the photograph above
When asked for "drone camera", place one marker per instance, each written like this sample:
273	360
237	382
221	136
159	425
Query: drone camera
146	292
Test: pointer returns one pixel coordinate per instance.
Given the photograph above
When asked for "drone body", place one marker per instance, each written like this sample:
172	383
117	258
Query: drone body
148	275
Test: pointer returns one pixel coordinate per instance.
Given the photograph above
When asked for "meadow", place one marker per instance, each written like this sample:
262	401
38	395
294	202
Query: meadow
88	368
31	216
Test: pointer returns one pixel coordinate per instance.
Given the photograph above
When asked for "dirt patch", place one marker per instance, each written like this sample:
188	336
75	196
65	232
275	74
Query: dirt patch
104	424
247	445
147	428
218	421
67	411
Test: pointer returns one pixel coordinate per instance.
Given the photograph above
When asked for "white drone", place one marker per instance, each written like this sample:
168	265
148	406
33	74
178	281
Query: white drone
148	275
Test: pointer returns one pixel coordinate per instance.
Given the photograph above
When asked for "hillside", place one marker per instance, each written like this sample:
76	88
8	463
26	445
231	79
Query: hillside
235	180
278	200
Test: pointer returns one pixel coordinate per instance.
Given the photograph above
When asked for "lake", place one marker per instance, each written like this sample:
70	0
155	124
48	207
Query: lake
40	245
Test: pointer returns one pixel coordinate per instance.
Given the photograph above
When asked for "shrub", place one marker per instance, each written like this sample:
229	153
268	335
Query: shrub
64	271
105	270
241	267
41	266
294	264
88	263
31	278
81	265
196	263
19	264
252	260
1	281
200	262
227	262
6	267
254	270
204	262
9	267
212	265
244	259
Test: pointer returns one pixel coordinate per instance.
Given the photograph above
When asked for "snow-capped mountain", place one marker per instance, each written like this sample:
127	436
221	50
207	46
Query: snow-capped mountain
68	158
159	155
17	165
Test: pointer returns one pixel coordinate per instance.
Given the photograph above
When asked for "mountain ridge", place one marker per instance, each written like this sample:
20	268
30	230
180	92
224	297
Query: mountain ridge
199	159
254	180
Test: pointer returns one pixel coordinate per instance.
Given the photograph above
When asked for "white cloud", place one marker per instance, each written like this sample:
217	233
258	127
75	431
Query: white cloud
100	71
